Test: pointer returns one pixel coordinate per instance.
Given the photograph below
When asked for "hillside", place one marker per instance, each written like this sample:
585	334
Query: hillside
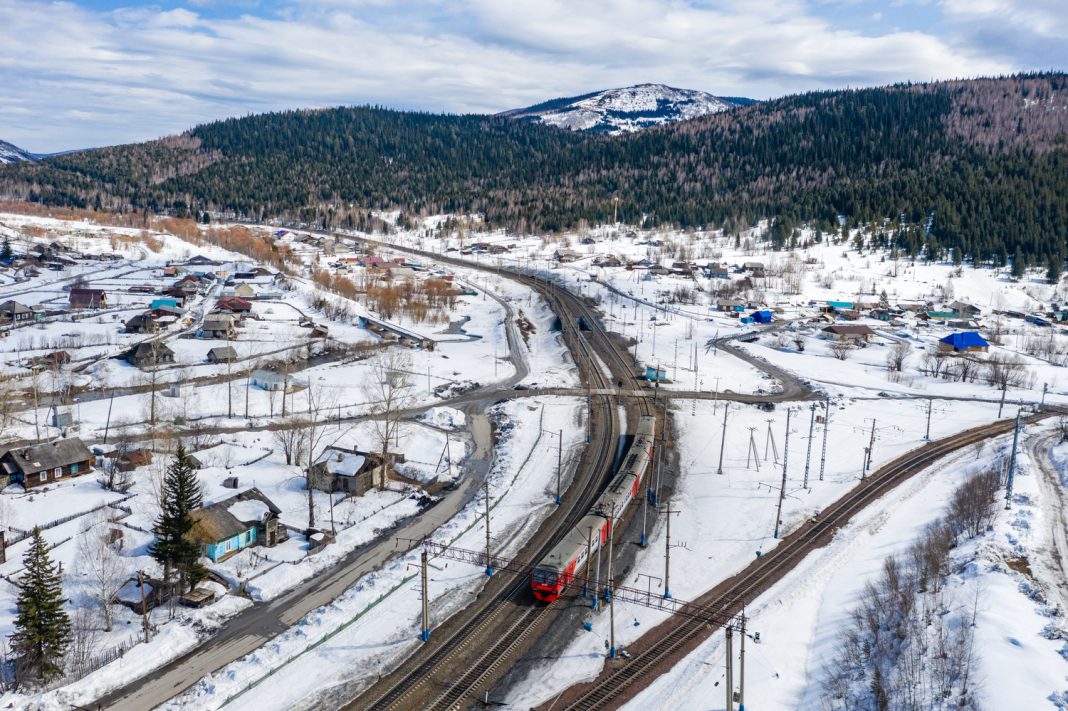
983	162
625	110
13	154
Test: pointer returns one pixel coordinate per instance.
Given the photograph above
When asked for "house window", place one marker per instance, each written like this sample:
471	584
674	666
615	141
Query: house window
43	476
59	472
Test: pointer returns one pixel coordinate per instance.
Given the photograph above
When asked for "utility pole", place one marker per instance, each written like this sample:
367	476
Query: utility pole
144	605
808	449
589	554
248	385
426	600
782	489
597	576
871	444
1045	389
654	493
489	564
611	540
723	438
612	622
769	441
559	462
1004	387
730	667
1012	462
107	423
645	515
715	403
752	454
668	512
927	434
741	664
826	426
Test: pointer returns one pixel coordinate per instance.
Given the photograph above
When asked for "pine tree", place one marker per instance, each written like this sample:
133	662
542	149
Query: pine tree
1054	270
5	249
42	628
180	496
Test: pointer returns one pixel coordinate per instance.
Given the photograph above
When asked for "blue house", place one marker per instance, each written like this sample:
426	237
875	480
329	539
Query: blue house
160	303
763	316
840	305
966	341
244	520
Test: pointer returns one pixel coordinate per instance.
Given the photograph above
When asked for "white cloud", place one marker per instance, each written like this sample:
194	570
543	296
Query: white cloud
91	78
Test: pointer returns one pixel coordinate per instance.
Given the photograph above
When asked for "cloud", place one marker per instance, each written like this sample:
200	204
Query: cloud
90	78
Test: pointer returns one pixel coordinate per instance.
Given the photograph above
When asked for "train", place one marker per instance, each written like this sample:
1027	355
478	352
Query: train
558	568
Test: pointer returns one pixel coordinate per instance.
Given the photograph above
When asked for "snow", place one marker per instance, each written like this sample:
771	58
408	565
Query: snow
249	510
628	109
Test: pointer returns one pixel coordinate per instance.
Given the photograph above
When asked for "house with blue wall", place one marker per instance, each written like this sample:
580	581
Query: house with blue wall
227	527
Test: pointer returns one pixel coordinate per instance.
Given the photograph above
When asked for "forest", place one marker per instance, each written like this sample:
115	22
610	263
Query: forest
972	170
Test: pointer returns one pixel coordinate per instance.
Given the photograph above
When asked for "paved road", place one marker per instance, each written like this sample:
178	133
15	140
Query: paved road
259	624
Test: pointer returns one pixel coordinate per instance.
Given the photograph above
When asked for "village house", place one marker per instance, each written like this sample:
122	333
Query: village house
88	299
965	342
222	354
715	271
226	527
273	380
54	359
244	290
348	470
217	326
855	333
201	261
607	260
233	305
128	461
15	312
147	355
37	464
964	310
142	323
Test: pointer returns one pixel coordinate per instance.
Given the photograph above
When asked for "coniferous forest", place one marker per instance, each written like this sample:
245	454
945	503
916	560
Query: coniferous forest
973	169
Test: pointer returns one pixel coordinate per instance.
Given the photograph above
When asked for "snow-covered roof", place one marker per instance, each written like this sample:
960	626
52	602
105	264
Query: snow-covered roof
340	462
249	510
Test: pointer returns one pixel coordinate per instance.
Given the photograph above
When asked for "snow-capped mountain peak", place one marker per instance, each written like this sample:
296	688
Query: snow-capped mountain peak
631	108
13	154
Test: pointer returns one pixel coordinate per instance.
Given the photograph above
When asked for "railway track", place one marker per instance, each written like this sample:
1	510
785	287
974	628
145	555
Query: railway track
665	645
480	647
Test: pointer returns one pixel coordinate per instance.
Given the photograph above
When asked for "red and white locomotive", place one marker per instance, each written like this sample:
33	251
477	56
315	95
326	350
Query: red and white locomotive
558	568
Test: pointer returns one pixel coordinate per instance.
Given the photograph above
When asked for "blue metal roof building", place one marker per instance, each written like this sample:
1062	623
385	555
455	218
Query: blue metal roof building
964	341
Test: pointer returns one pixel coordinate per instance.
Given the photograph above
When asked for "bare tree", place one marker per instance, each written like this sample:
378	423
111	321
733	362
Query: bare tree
101	563
290	439
389	391
842	349
320	403
897	355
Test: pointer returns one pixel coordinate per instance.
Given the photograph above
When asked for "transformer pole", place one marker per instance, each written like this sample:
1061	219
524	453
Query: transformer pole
826	426
782	489
723	437
426	600
1012	462
808	449
489	563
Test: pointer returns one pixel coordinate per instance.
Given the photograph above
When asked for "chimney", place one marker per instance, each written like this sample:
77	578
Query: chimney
340	457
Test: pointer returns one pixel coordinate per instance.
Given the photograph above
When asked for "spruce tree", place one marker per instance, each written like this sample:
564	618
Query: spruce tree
180	496
42	628
5	249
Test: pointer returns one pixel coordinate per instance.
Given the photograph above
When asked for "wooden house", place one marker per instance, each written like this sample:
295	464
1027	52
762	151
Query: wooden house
88	299
37	464
147	355
244	520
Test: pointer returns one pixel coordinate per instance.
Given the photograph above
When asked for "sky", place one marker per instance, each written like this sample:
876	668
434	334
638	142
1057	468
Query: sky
84	73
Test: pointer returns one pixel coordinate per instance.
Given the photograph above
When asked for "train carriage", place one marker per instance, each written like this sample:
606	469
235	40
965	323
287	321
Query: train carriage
559	567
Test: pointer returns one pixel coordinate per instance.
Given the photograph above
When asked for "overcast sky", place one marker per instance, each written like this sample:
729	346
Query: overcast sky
95	72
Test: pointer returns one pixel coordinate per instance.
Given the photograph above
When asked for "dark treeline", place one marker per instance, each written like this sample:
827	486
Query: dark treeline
976	169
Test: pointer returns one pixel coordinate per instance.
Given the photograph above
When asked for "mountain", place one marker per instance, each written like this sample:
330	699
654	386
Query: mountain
13	154
969	169
625	110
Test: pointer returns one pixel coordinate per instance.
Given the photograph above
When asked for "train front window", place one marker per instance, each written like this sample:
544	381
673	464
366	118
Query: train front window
544	577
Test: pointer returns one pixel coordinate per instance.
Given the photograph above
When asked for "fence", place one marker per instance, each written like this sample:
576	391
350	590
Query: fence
21	535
